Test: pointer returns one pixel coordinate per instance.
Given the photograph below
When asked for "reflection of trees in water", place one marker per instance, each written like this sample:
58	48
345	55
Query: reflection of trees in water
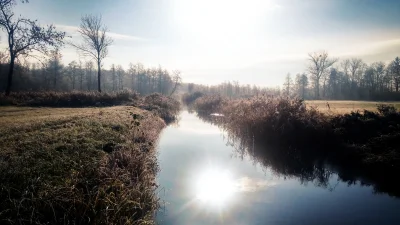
303	165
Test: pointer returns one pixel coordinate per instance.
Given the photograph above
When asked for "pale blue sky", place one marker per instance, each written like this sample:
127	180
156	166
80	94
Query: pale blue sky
252	41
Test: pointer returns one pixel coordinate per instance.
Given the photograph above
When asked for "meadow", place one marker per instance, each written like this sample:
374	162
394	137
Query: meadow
342	107
97	165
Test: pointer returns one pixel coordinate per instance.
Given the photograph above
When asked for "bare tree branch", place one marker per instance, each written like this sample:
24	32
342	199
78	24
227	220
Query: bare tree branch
25	36
95	41
319	65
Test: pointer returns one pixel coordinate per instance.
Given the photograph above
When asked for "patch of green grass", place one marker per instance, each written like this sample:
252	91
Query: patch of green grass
77	166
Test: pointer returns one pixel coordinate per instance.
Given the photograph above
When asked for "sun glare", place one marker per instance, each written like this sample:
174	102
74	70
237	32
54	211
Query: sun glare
215	186
219	18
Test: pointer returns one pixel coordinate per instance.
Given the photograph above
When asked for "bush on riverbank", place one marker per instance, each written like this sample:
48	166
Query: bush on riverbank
68	99
210	103
277	120
189	99
362	138
89	168
165	107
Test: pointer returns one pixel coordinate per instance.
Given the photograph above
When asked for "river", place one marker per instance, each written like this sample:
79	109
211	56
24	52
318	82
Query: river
204	181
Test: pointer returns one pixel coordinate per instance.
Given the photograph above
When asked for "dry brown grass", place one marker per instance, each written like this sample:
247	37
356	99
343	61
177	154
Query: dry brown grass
342	107
296	129
77	166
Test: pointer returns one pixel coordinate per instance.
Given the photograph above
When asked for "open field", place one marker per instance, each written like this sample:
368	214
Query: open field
78	165
341	107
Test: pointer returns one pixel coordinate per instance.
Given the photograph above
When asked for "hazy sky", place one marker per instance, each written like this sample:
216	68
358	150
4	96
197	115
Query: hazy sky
252	41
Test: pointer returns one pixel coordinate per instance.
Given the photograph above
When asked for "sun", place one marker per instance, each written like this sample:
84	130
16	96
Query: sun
215	19
215	186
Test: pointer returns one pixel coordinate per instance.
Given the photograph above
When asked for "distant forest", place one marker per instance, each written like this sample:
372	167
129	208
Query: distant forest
233	89
349	79
325	78
53	75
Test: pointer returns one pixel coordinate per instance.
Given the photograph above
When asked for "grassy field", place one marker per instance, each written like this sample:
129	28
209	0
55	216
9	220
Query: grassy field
341	107
78	165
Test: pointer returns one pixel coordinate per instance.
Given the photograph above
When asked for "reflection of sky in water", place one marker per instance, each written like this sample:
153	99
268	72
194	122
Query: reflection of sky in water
194	153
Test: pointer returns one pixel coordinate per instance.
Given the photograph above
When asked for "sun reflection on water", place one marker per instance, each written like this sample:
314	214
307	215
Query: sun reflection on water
215	186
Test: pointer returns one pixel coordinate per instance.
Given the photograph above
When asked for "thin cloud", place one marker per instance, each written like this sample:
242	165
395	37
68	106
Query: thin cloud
247	184
73	31
125	37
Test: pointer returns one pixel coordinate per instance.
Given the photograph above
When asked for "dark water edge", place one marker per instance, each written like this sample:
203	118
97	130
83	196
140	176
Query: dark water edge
283	189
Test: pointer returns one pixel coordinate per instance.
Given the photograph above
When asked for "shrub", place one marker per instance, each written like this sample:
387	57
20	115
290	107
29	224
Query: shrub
359	128
210	104
276	120
189	99
165	107
386	109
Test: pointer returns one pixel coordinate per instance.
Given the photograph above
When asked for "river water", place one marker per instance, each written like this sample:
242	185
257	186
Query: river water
204	181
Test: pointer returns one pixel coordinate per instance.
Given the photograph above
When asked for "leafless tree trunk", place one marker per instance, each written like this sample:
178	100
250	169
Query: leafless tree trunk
95	41
177	80
319	64
89	69
25	36
120	73
114	77
395	68
288	84
132	72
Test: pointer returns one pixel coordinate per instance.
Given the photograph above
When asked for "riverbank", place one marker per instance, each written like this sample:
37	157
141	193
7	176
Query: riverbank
282	131
80	165
262	194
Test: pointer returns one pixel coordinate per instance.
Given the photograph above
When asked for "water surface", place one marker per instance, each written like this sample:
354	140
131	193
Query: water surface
205	182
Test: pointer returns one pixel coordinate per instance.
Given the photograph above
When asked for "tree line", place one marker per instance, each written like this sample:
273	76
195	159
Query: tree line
325	78
53	75
352	79
233	89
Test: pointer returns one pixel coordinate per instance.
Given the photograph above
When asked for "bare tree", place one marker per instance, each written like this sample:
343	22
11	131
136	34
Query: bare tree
395	69
89	69
288	84
95	41
319	65
25	36
301	84
72	71
345	65
120	74
114	77
355	65
177	80
55	65
132	71
80	69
